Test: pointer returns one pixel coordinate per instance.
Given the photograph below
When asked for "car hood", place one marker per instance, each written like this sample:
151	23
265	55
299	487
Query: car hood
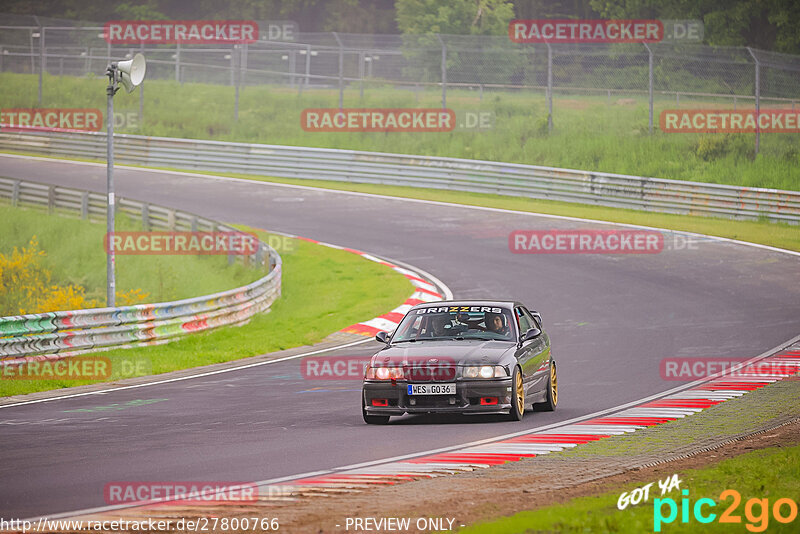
465	352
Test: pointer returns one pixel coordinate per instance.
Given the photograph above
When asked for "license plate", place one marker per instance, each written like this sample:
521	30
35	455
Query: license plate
431	389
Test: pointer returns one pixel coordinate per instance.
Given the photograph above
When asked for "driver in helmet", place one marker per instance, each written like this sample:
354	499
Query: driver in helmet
437	324
496	322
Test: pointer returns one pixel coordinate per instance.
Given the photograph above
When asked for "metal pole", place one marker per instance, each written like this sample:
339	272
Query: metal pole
341	70
444	71
308	65
41	62
361	75
650	85
292	66
178	63
141	95
549	88
238	80
111	284
758	98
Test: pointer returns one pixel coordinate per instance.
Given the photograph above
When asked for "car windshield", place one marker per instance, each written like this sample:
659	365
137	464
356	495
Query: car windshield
455	322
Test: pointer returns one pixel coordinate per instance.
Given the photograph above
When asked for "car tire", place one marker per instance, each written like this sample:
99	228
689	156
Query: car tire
551	397
373	419
517	396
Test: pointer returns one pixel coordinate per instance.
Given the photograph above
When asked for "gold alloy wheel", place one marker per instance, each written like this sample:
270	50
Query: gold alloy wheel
553	385
520	394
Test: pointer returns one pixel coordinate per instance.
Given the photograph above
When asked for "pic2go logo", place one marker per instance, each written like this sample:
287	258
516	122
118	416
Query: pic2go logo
757	511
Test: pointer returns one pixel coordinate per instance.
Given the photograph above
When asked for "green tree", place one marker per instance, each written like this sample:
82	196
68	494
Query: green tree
459	17
766	24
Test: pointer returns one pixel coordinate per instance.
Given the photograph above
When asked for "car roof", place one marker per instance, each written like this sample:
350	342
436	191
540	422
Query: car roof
476	302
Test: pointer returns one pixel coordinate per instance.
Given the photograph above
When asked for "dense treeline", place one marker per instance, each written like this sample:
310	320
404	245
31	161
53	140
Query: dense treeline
766	24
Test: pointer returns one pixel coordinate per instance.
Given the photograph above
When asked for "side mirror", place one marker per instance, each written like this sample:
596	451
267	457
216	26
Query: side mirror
530	334
383	337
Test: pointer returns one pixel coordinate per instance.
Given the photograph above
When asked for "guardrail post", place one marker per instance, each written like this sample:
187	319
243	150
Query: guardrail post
145	216
171	219
194	224
51	199
85	205
15	193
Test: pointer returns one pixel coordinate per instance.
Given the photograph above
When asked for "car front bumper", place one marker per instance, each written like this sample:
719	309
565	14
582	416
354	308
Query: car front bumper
467	399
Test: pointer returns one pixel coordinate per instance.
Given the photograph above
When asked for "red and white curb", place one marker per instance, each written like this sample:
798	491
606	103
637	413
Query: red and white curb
426	289
700	395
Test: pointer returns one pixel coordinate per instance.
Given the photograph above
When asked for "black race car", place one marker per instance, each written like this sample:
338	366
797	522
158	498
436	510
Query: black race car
469	357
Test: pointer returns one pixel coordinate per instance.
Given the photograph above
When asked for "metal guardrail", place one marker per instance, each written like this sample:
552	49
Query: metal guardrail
73	332
604	189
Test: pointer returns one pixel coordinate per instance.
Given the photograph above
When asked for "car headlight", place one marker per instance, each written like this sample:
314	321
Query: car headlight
384	373
485	371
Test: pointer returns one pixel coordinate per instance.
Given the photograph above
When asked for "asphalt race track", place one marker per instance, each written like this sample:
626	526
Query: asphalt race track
612	319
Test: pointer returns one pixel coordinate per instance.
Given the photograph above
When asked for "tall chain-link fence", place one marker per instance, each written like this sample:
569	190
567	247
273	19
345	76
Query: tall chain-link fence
362	63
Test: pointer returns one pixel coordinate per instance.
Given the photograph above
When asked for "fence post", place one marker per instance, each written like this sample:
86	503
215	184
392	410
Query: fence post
758	97
15	193
341	69
361	74
650	85
549	88
41	62
178	63
238	59
308	68
444	71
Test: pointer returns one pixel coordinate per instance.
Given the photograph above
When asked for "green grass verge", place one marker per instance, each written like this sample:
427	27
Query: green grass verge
765	474
75	255
591	132
324	290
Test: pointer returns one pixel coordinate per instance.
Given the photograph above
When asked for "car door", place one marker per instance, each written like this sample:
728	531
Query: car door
539	356
526	353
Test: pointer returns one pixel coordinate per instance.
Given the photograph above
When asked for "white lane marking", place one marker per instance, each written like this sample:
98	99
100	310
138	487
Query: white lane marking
416	200
188	377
